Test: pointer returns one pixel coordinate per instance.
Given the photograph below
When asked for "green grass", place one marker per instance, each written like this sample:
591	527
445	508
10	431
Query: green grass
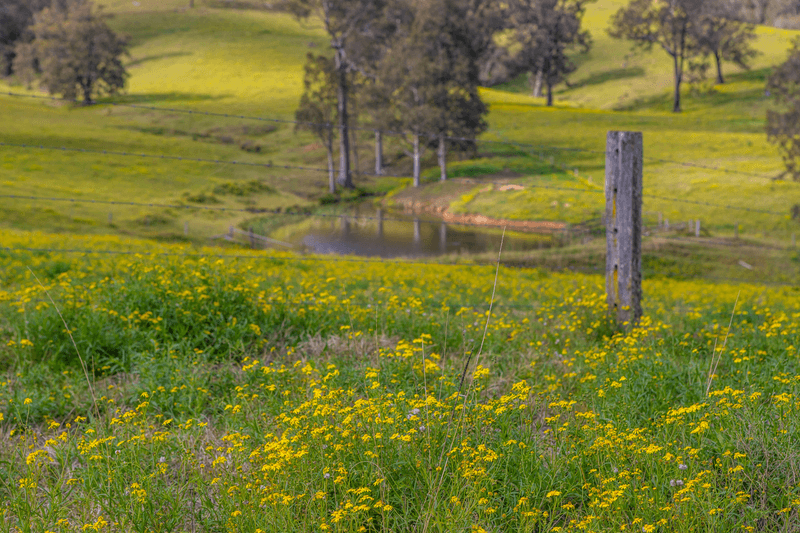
262	392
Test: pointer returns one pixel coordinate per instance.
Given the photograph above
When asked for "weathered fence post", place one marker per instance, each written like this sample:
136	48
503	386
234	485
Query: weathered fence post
186	228
110	218
230	233
624	155
442	157
697	228
378	153
252	237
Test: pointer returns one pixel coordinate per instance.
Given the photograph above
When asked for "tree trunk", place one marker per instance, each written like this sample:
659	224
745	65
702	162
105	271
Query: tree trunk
676	105
378	153
442	157
416	160
720	79
537	85
549	93
329	149
354	144
345	177
87	93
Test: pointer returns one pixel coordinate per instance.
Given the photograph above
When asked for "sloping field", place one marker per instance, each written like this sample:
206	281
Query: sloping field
250	63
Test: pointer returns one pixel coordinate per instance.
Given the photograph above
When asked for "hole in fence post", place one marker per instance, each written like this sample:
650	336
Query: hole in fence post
623	188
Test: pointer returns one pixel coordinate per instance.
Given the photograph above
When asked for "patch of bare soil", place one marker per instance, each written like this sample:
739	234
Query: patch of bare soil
421	201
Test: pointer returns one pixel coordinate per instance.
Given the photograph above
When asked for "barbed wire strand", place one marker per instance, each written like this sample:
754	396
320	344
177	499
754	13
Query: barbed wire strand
393	132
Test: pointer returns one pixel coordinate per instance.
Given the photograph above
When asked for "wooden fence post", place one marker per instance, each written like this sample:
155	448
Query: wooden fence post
378	153
624	155
186	228
697	228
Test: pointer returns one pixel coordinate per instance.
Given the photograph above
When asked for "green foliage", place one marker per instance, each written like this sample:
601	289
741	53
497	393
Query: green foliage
78	54
783	120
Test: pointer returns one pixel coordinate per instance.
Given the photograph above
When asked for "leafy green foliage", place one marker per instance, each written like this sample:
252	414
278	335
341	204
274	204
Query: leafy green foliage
76	51
783	121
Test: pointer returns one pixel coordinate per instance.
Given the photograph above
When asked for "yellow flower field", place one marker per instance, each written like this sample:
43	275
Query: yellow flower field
200	389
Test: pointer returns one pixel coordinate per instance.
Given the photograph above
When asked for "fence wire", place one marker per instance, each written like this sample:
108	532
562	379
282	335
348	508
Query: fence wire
537	146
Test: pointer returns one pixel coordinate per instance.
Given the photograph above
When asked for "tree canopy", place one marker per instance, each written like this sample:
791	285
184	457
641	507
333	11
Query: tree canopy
546	31
317	109
15	18
76	51
783	120
666	23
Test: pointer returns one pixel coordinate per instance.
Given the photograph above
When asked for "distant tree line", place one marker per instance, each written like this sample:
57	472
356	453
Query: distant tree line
63	45
415	66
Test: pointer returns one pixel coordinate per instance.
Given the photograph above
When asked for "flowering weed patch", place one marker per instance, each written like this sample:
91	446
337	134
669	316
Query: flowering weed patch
269	392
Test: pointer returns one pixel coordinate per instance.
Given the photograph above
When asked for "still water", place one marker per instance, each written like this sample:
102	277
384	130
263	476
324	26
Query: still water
370	232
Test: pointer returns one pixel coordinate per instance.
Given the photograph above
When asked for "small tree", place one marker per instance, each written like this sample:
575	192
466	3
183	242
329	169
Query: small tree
429	77
546	31
667	23
352	26
15	18
77	52
317	109
783	121
719	35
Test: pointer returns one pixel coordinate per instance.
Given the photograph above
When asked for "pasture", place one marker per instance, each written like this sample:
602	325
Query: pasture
150	382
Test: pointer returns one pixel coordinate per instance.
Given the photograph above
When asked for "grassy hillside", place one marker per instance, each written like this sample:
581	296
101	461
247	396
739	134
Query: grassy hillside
250	62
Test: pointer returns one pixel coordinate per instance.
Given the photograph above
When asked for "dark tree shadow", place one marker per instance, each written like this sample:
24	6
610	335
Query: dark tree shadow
159	98
139	61
609	75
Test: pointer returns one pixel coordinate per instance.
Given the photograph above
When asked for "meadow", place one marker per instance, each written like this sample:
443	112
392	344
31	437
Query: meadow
173	388
150	382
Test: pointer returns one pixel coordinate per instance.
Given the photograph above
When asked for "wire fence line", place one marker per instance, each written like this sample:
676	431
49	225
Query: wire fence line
472	263
537	146
253	210
163	156
508	264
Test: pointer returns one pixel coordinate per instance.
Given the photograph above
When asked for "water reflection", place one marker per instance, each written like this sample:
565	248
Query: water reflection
378	233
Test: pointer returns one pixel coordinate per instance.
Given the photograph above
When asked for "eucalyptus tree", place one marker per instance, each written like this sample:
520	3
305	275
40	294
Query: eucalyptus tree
317	109
720	35
666	23
75	50
544	33
783	119
428	77
354	28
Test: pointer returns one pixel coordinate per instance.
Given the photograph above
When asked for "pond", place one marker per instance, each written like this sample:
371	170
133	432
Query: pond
367	231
